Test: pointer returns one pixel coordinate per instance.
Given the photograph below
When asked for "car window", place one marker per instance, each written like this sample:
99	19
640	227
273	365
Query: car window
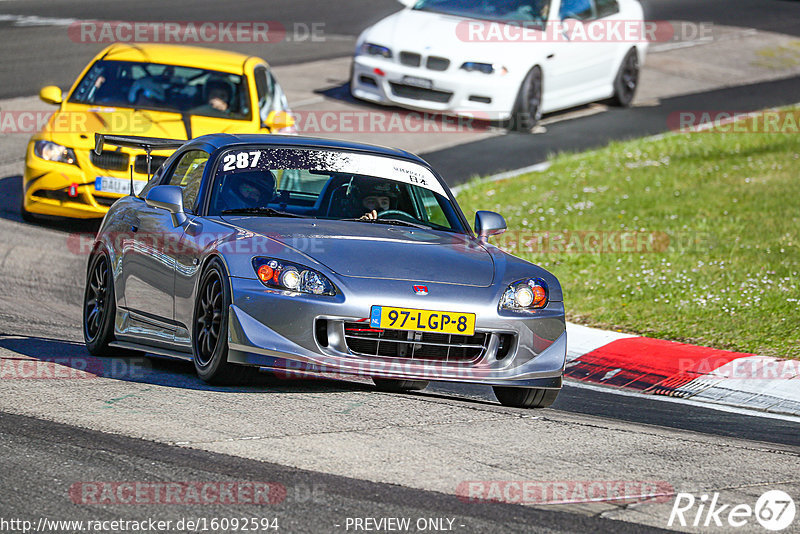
576	9
505	10
327	184
606	8
154	181
429	207
177	88
264	91
188	175
269	93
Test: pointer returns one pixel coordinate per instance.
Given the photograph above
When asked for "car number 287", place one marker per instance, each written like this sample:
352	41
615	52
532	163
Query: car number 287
240	160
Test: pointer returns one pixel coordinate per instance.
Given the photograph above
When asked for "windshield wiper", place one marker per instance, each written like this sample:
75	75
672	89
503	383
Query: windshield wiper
267	212
396	222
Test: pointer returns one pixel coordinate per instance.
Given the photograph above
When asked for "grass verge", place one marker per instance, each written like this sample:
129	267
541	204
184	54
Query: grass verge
689	237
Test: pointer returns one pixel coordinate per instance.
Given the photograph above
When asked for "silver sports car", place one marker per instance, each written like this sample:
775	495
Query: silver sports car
307	256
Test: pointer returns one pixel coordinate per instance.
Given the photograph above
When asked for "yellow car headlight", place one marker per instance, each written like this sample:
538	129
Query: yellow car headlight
47	150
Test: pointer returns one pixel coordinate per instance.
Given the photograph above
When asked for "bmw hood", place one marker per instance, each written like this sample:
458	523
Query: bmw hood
379	251
65	125
427	33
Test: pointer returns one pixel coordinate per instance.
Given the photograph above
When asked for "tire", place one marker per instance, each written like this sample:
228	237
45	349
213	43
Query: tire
528	106
210	329
627	80
99	305
394	385
525	397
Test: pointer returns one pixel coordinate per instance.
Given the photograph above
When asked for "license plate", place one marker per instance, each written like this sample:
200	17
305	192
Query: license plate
425	83
389	318
109	184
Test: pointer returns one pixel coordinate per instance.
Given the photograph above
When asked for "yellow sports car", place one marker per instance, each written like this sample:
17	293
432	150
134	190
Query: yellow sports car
162	91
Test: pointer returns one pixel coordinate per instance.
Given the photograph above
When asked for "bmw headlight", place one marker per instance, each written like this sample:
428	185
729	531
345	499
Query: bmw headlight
527	294
371	49
279	274
50	151
470	66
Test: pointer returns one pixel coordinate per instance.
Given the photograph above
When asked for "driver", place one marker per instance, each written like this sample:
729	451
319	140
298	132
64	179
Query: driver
247	191
218	97
377	198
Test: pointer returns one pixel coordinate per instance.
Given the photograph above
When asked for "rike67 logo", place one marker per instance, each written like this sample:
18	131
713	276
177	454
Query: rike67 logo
774	510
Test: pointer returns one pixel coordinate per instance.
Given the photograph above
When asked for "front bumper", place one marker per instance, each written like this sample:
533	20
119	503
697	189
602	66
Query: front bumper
454	91
65	190
283	335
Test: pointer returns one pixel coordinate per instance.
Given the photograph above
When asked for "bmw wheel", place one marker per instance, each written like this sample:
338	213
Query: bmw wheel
210	328
627	80
525	397
528	107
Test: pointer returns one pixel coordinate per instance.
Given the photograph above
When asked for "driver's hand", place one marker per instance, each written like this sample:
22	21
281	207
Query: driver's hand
218	104
369	216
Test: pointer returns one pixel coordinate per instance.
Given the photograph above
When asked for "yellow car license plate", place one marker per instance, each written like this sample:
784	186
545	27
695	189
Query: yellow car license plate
422	320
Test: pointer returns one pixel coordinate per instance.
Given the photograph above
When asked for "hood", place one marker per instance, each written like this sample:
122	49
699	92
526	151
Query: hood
379	251
431	33
75	124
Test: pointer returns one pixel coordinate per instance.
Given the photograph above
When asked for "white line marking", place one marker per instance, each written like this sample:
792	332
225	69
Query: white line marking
35	20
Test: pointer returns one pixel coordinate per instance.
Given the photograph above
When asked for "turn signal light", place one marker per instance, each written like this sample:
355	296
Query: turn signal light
265	273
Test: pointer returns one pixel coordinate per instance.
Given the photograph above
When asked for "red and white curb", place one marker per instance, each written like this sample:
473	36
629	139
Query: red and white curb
658	367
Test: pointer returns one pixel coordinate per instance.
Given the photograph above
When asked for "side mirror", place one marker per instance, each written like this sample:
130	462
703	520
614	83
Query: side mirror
279	120
51	95
170	198
489	223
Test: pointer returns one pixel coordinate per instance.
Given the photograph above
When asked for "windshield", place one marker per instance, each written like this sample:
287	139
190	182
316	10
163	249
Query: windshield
165	88
502	10
327	184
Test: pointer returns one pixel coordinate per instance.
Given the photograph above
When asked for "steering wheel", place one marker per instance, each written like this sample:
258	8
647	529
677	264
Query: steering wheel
396	213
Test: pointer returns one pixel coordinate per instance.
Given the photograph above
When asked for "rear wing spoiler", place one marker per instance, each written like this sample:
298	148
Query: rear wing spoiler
148	144
134	141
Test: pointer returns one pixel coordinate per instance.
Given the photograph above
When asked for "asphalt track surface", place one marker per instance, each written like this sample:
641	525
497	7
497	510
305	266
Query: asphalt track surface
54	455
38	458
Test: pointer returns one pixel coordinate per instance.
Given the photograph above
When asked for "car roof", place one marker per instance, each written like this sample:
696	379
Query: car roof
189	56
222	140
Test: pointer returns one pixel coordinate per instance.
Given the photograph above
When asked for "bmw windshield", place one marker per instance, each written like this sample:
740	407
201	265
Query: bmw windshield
499	10
164	88
326	184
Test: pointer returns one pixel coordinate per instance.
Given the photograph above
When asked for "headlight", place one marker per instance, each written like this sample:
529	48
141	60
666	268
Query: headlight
371	49
50	151
486	68
528	294
278	274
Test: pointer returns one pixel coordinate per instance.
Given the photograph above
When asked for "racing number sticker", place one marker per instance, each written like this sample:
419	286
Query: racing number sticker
240	160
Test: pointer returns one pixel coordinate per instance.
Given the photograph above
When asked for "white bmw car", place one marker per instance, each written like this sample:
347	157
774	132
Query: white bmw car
506	60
